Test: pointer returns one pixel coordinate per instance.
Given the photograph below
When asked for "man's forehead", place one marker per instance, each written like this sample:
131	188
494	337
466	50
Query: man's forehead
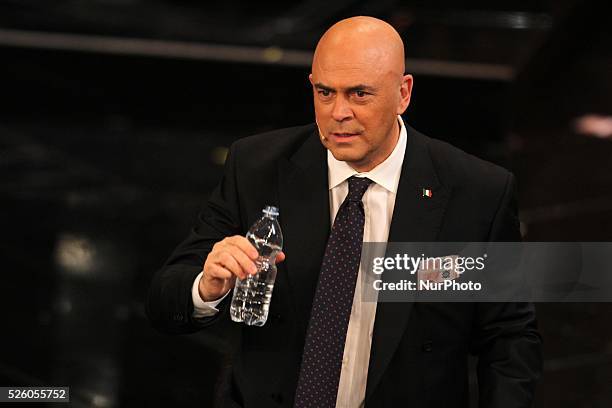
348	75
346	64
343	55
351	65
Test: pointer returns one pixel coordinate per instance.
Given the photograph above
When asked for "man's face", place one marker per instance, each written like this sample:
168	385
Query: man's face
356	102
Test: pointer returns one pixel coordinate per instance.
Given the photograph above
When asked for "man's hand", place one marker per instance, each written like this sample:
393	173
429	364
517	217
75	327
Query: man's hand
230	258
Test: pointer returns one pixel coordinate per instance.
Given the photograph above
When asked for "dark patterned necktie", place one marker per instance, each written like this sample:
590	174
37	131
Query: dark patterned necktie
331	307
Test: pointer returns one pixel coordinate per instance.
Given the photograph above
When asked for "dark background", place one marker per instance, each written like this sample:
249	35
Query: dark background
115	117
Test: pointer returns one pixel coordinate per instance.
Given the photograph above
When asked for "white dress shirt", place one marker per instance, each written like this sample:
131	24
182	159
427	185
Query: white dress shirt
378	203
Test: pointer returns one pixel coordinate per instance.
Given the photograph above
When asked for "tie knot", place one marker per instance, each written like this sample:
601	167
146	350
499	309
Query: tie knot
357	187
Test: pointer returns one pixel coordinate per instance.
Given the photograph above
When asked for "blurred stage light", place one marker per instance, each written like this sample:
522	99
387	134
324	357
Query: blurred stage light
594	125
101	401
272	54
75	254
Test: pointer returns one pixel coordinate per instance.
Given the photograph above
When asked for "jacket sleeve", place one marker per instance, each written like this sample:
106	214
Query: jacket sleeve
169	304
506	338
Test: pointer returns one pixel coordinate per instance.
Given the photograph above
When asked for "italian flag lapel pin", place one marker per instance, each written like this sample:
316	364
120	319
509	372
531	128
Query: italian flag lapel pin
427	193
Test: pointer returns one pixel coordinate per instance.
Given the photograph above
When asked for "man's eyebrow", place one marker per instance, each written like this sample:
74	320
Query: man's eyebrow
319	85
354	88
361	87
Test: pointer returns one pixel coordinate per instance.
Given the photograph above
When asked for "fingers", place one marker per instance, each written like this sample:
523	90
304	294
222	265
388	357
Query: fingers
242	262
233	256
217	272
229	262
243	244
224	264
230	258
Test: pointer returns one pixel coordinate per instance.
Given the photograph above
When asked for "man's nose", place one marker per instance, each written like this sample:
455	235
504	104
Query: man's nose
341	110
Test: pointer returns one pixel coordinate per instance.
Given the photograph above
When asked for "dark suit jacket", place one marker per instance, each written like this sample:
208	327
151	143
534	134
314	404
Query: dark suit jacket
419	352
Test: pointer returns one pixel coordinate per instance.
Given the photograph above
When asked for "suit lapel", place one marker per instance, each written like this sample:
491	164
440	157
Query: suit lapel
304	205
416	218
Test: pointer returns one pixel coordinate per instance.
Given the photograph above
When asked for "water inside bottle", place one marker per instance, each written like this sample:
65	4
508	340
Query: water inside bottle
251	301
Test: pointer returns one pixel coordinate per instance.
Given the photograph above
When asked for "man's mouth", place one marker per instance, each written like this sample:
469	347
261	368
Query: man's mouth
343	135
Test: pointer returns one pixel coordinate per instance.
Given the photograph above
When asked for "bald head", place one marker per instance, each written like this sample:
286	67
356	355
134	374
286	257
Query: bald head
361	40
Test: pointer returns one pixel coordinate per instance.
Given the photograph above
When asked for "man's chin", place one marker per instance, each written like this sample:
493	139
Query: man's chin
345	155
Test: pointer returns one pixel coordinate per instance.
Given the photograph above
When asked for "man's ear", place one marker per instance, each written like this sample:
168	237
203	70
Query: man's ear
405	93
310	79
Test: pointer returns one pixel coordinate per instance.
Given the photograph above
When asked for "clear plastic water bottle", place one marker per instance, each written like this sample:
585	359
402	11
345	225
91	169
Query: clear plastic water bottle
251	300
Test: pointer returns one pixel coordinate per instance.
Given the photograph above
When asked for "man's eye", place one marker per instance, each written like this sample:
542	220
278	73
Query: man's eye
360	94
324	92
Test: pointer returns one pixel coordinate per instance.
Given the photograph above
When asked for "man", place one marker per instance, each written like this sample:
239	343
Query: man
362	170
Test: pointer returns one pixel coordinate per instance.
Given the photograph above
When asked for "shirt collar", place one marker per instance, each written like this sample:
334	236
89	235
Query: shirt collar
386	174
